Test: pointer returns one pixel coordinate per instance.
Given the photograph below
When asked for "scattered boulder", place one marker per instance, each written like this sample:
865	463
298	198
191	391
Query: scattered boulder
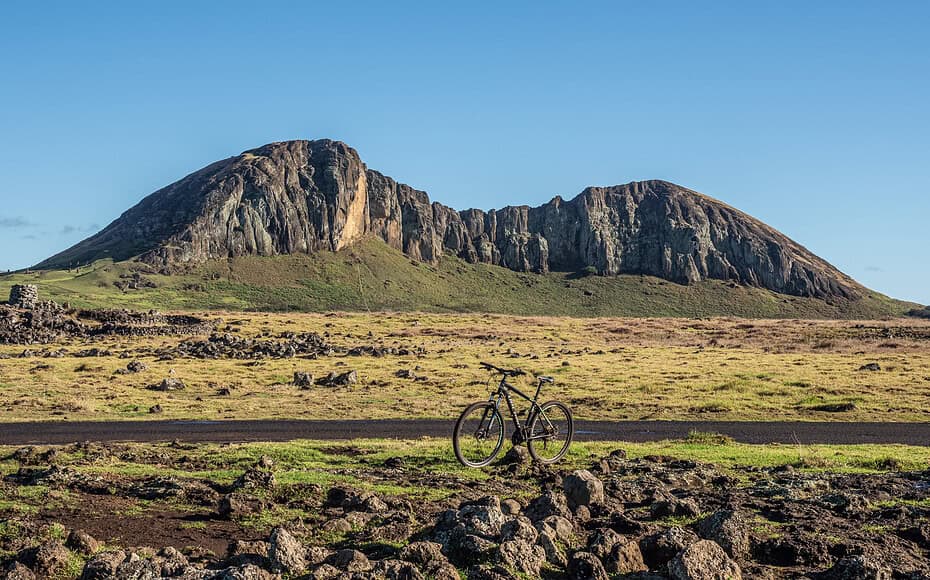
582	488
286	553
483	517
302	379
396	570
103	566
586	566
136	367
517	455
858	568
602	541
703	560
339	380
246	572
624	557
551	503
729	530
350	561
519	528
522	556
659	548
169	384
511	507
870	367
237	505
422	553
259	476
674	507
16	571
47	559
82	543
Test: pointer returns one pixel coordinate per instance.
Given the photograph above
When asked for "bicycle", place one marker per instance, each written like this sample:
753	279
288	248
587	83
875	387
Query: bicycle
480	430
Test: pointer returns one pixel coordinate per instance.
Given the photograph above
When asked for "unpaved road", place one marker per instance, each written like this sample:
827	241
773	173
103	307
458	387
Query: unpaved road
51	433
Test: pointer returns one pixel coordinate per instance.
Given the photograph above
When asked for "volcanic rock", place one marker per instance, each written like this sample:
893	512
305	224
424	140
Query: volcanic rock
310	196
24	296
703	560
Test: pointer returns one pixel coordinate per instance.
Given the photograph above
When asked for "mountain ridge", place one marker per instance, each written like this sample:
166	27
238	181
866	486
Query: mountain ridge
310	196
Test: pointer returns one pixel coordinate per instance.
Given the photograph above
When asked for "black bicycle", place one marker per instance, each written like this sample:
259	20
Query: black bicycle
479	433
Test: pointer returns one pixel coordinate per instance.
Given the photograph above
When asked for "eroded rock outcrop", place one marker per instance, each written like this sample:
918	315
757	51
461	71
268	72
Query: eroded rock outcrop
310	196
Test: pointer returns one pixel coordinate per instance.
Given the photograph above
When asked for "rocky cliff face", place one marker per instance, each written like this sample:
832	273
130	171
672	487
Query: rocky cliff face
310	196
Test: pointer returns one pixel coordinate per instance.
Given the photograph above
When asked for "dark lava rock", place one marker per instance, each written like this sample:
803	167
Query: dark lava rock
47	559
686	508
858	568
16	571
551	503
303	379
82	542
703	560
286	553
582	488
659	548
169	384
871	367
339	379
350	561
259	476
523	556
228	346
423	553
834	407
238	505
136	367
586	566
729	530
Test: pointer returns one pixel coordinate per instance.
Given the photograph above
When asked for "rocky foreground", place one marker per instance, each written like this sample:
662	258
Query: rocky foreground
645	518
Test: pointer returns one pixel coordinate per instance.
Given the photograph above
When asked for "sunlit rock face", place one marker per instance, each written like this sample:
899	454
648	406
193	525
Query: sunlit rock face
311	196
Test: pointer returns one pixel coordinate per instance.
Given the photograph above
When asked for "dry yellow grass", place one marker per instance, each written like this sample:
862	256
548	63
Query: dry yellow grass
606	368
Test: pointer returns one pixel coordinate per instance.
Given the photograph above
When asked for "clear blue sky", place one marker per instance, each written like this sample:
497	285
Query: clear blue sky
812	116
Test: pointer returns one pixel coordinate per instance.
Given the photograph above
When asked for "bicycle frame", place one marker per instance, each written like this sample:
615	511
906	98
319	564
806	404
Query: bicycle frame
503	392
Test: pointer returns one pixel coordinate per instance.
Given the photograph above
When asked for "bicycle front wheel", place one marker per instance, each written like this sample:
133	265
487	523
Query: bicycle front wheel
550	432
478	435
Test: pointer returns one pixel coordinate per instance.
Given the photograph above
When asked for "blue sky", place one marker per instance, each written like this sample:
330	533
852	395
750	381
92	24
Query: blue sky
812	116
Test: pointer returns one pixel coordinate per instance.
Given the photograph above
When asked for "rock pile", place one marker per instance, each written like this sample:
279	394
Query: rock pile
285	345
597	523
43	322
124	322
24	296
41	325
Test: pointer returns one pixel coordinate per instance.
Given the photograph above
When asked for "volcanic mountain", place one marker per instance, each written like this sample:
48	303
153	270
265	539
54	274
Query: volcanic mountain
306	197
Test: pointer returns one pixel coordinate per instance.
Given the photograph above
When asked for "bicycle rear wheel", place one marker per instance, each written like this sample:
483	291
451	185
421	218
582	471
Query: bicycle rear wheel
550	432
478	435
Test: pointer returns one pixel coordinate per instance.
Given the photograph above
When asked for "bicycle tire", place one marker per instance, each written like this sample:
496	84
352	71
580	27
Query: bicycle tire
460	425
539	415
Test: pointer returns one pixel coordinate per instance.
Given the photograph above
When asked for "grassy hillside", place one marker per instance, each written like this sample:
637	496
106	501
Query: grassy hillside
373	276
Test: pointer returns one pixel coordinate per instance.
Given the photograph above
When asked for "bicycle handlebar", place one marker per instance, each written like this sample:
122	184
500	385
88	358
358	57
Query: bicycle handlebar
507	372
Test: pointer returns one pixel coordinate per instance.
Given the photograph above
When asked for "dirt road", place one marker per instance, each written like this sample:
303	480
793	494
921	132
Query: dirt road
264	430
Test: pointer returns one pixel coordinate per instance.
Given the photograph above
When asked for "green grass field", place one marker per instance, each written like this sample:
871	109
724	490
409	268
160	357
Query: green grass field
605	368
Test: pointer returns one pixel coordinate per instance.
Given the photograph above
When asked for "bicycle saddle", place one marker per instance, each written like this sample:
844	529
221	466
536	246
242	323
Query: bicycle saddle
545	379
